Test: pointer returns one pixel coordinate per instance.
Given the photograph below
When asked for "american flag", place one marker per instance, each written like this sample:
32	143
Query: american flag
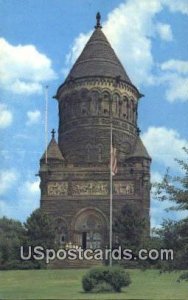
113	160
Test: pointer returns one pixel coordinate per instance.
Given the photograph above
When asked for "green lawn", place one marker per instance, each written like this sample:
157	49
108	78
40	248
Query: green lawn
66	284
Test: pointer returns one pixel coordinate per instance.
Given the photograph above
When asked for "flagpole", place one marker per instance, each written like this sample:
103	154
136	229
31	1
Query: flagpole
46	124
110	232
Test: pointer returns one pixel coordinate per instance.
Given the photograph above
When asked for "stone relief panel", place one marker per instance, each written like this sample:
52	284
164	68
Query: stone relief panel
124	188
90	188
57	189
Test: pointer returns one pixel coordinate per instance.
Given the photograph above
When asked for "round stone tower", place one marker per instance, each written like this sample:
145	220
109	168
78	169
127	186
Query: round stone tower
97	92
75	181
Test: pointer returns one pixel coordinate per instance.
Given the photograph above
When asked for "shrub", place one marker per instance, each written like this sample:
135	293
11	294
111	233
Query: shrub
183	276
21	265
103	287
105	279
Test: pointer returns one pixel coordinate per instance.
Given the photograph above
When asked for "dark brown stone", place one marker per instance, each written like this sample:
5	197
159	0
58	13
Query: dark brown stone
75	181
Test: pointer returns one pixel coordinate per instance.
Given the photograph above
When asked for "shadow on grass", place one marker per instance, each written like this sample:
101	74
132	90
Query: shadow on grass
103	292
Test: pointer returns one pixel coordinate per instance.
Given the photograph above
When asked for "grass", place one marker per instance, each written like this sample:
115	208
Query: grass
66	284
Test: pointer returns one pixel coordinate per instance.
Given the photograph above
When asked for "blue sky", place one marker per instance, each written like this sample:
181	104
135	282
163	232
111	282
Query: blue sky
39	42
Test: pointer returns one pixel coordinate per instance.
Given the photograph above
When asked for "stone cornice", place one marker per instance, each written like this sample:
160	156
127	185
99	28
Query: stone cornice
98	82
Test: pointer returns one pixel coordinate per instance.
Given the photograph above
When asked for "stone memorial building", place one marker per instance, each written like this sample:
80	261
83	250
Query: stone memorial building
75	181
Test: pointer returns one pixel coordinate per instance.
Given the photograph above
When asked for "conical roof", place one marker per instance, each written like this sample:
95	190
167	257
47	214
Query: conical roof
140	150
98	59
53	151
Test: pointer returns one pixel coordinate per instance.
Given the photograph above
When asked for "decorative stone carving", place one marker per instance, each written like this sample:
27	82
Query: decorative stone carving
90	188
57	189
124	188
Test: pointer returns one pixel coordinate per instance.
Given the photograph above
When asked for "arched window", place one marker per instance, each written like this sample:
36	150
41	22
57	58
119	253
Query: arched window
135	112
62	238
128	110
124	107
84	109
131	114
94	103
105	104
115	104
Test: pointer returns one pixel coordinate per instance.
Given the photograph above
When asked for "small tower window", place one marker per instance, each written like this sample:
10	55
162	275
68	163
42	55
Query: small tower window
99	153
83	111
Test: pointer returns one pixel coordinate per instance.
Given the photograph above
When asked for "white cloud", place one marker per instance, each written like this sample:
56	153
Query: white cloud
177	6
27	88
7	180
177	88
28	200
180	66
175	78
164	31
164	145
156	177
23	68
33	117
134	50
131	28
29	194
5	116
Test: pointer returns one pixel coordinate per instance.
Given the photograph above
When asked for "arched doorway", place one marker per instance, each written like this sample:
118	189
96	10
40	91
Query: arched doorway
89	228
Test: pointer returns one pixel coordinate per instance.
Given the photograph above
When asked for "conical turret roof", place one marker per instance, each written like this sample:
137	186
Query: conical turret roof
53	151
140	150
98	59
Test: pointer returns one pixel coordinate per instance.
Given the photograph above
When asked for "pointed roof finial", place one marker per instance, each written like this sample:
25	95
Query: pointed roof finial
53	133
98	18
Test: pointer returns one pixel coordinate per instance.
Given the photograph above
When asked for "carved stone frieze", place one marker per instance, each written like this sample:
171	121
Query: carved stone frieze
89	188
57	188
124	188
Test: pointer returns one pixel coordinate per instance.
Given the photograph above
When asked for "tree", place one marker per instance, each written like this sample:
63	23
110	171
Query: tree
174	234
129	227
40	229
12	236
175	188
